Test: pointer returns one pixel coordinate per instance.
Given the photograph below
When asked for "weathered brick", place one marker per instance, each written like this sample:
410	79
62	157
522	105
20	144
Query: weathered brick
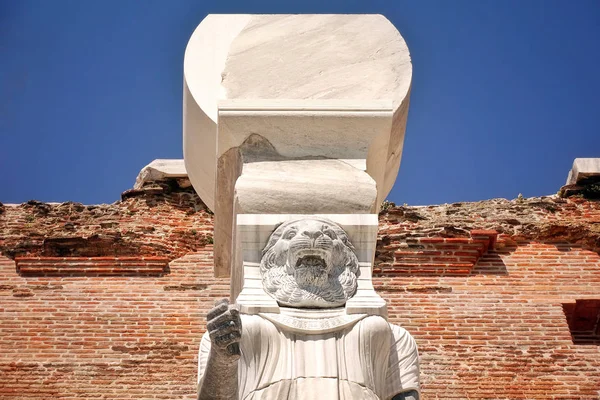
487	312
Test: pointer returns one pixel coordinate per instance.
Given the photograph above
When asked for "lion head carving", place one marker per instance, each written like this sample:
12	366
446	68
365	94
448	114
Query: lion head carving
309	263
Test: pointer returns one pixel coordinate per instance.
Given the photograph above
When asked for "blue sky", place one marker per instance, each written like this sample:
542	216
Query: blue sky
505	93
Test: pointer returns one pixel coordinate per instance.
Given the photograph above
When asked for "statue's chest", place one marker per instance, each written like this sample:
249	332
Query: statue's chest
333	363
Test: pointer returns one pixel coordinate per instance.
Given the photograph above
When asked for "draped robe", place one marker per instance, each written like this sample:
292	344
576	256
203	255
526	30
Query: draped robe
367	358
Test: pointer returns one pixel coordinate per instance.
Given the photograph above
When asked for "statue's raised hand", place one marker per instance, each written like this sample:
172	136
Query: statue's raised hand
225	330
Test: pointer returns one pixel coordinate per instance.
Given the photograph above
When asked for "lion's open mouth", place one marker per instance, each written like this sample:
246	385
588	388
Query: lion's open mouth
311	261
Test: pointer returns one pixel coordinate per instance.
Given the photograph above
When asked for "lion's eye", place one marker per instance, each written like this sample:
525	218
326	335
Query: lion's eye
330	233
290	234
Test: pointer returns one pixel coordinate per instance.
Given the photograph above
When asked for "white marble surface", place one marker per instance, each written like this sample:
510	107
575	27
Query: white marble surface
583	168
366	358
311	86
253	232
306	127
281	186
161	169
359	58
297	122
204	61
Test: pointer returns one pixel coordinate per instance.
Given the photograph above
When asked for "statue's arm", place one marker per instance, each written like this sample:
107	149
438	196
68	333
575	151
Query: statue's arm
410	395
220	378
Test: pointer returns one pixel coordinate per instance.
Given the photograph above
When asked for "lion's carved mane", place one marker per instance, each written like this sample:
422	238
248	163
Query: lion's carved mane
309	263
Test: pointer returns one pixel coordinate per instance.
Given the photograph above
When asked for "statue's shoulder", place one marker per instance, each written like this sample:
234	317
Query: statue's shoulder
375	323
402	335
403	373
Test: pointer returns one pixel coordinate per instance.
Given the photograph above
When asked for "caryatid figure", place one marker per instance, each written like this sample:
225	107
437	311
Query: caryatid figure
311	350
298	115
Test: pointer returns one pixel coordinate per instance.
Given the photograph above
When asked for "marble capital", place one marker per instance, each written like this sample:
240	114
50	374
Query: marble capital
280	107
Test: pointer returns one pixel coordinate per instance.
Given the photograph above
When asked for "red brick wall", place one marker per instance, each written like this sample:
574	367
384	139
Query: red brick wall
160	220
500	332
496	331
105	337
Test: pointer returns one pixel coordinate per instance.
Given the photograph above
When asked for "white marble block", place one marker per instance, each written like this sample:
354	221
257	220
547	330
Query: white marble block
263	94
583	168
254	231
161	169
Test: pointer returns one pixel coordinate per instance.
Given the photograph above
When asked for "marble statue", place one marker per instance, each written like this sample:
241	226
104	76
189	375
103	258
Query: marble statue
293	132
311	349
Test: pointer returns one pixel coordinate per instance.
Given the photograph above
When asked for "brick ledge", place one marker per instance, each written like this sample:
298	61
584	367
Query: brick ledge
437	255
95	266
